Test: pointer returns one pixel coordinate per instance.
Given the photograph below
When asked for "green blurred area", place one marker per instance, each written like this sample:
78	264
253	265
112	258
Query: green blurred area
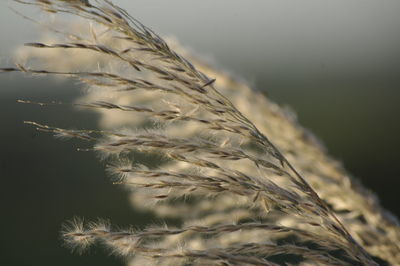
46	181
359	127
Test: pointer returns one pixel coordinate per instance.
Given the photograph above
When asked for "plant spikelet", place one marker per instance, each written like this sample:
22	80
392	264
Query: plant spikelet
246	183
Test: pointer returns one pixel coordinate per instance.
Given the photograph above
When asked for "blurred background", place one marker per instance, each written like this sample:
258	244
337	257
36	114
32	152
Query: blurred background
336	63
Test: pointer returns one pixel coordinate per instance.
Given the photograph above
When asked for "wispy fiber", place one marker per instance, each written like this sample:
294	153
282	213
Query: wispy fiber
216	164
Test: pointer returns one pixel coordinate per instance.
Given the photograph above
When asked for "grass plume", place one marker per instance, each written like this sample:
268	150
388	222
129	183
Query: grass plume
248	184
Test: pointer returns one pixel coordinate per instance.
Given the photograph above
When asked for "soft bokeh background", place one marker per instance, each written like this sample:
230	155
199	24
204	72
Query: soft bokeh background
336	63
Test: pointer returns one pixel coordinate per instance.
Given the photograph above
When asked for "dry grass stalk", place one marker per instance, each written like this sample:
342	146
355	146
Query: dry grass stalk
214	151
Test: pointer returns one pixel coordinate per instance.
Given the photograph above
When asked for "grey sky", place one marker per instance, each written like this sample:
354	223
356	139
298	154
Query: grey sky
298	37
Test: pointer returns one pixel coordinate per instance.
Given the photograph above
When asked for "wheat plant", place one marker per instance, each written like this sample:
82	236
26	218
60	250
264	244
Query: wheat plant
245	183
